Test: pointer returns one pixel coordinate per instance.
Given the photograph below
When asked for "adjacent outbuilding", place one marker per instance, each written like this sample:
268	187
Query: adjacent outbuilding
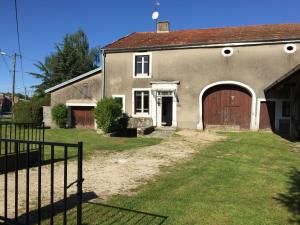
80	95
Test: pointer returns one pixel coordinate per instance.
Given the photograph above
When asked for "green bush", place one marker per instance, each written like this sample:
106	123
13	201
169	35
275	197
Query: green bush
108	114
60	115
28	112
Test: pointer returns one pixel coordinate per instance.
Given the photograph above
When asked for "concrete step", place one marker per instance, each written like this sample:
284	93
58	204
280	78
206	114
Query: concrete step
163	132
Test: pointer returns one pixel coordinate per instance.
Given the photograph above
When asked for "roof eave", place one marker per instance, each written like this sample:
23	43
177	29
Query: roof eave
204	45
73	80
282	78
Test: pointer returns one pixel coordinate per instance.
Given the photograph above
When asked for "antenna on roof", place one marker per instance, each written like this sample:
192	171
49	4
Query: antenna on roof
155	14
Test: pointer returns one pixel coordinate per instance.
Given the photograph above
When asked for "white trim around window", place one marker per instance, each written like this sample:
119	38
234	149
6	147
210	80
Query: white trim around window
133	103
123	101
150	65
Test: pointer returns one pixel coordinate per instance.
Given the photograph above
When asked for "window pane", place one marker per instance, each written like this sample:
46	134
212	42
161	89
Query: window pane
139	58
138	68
146	58
286	110
146	101
138	102
142	64
146	68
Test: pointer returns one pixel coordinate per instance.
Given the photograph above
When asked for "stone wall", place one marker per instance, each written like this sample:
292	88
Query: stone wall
47	119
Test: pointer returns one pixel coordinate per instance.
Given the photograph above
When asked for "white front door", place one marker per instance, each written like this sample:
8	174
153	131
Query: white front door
165	109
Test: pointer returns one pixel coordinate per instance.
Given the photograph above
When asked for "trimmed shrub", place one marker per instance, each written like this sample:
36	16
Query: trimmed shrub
28	112
60	115
108	114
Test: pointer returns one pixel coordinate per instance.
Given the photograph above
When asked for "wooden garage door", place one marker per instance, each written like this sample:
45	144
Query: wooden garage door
82	117
227	105
267	115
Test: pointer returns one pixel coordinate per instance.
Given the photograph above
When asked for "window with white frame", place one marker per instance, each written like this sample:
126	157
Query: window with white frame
142	65
141	102
121	100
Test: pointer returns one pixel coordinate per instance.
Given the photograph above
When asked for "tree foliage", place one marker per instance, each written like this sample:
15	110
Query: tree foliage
71	58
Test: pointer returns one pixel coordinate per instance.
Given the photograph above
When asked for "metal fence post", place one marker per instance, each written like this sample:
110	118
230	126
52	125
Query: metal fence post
79	184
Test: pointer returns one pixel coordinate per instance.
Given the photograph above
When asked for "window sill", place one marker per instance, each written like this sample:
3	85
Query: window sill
141	115
141	76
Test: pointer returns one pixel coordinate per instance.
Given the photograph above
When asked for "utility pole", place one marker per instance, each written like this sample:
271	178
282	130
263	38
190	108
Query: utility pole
14	78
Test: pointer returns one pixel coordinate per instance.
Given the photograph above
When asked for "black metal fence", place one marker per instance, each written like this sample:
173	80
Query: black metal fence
21	131
57	151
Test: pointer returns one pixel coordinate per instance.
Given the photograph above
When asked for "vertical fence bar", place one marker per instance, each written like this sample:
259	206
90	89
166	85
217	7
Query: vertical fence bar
15	131
24	135
16	181
20	129
36	137
28	133
65	182
5	180
5	131
52	185
27	183
10	138
1	141
43	139
39	184
32	138
79	185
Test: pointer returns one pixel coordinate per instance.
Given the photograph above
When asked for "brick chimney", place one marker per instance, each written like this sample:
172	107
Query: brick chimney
163	27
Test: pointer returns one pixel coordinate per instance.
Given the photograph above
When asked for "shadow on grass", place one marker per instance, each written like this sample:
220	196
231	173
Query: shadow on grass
291	199
98	213
93	213
58	209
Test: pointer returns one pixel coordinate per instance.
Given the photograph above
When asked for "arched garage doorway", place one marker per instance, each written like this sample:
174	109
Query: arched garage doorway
227	103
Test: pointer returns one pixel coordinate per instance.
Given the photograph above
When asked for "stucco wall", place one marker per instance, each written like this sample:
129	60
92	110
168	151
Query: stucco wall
77	90
255	66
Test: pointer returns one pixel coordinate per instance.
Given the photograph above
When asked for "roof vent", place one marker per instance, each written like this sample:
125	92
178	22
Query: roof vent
163	27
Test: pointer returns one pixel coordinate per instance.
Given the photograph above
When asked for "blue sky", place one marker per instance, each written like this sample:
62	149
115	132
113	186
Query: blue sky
43	23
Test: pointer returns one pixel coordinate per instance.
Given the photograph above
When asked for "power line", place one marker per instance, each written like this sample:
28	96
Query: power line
19	44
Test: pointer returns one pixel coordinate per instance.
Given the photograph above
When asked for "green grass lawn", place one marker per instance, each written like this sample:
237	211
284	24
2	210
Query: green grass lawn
235	182
93	142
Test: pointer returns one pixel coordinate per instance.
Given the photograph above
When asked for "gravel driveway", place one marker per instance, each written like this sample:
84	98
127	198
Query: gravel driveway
108	174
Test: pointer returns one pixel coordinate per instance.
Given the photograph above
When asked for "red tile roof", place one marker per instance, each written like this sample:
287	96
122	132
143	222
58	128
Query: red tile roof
208	36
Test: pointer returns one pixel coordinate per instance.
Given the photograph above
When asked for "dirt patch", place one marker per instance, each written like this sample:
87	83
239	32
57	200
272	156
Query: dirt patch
113	174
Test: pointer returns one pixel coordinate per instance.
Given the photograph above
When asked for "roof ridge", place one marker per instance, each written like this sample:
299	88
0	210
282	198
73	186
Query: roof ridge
214	35
216	28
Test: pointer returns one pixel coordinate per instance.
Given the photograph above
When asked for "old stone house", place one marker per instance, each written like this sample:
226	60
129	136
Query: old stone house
234	77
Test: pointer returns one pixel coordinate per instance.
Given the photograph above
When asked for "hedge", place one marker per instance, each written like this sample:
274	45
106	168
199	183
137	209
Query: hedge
108	115
28	112
60	115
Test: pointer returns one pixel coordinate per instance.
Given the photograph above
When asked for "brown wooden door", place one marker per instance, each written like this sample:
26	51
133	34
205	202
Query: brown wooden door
82	117
227	105
267	115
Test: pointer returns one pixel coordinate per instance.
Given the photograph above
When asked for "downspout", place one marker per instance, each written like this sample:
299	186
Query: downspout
103	74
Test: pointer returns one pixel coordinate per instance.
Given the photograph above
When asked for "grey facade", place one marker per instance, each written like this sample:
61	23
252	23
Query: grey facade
189	71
